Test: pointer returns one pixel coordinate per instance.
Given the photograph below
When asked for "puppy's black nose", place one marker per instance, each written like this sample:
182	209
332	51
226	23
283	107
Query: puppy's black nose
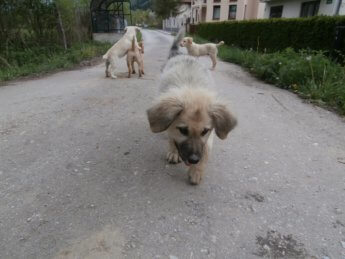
193	159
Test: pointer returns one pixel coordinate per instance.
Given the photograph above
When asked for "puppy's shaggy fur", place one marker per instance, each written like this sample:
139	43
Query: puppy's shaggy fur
197	50
190	112
119	50
135	55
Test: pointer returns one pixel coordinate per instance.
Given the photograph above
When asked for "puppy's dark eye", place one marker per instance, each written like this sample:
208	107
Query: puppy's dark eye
183	130
204	132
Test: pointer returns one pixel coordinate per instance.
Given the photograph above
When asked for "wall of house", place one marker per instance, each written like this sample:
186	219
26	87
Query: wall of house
292	8
252	8
261	11
342	9
174	23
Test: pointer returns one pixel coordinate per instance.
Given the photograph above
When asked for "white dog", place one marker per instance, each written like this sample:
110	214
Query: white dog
198	50
119	50
189	111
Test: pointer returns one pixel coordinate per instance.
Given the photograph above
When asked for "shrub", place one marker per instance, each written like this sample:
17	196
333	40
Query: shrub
310	74
44	59
316	33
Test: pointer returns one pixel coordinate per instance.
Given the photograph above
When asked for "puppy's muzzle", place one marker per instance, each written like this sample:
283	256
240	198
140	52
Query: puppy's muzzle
193	159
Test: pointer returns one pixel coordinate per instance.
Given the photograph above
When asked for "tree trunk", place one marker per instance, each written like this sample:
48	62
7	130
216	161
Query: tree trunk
61	28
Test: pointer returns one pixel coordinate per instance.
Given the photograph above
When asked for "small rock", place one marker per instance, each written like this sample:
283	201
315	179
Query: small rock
266	247
266	162
343	244
325	257
315	144
28	219
86	169
173	257
204	250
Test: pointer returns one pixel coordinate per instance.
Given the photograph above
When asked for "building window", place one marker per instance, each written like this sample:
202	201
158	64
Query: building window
276	11
216	1
232	12
232	1
310	8
216	12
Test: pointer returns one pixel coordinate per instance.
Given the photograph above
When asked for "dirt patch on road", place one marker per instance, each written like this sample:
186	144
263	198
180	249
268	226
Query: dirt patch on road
254	196
107	243
275	245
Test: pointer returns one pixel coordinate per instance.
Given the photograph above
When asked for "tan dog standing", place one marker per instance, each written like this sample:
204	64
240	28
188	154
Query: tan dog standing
119	50
135	55
189	111
197	50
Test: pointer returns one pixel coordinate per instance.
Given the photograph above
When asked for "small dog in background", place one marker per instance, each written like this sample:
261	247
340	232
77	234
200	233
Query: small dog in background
135	55
189	111
197	50
119	50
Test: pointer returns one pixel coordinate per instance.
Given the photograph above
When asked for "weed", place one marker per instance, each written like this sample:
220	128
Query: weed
310	74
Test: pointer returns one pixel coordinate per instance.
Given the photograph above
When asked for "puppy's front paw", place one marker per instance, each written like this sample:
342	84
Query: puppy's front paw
113	76
173	158
194	176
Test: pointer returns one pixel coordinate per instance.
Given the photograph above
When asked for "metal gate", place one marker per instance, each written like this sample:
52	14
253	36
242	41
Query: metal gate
110	15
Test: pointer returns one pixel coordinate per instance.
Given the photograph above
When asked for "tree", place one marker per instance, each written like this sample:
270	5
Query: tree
166	8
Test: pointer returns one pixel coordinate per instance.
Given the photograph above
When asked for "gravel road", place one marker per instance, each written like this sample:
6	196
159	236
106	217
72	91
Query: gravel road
82	176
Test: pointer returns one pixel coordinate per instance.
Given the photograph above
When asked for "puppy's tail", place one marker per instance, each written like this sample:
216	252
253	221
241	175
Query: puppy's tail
175	48
220	43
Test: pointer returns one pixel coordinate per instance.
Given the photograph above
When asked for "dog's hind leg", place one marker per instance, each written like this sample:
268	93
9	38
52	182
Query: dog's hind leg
107	63
172	156
130	67
133	67
112	67
141	67
214	61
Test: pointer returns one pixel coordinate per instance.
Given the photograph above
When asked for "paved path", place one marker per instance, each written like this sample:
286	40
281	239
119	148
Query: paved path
82	176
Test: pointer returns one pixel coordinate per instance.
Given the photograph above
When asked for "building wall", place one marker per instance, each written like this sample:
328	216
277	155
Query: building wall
175	23
342	9
246	9
292	8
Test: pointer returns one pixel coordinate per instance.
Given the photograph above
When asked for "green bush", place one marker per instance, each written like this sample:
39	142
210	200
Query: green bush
38	60
310	74
316	33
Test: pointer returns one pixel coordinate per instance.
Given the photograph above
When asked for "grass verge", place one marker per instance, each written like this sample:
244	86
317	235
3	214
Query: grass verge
38	60
310	74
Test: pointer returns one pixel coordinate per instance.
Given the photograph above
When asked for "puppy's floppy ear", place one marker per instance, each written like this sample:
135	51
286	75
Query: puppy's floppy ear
223	120
164	113
190	40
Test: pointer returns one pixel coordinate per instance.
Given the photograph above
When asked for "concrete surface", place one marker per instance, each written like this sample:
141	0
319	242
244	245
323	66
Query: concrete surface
110	37
82	176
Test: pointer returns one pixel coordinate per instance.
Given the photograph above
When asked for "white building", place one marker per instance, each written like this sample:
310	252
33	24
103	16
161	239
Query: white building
183	18
302	8
223	10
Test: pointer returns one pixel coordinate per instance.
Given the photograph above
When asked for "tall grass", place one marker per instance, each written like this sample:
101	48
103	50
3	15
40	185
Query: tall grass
310	74
38	60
